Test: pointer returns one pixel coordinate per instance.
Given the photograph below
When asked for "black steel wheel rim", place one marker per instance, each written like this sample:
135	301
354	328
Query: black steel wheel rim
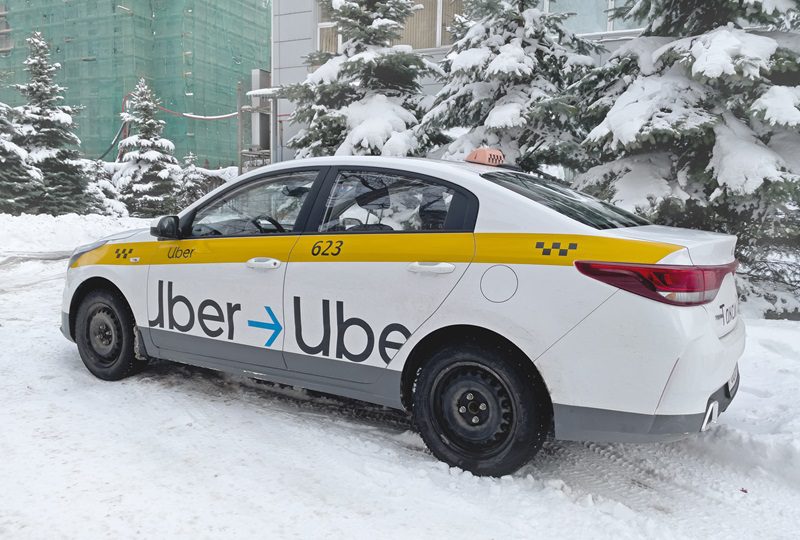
472	409
104	333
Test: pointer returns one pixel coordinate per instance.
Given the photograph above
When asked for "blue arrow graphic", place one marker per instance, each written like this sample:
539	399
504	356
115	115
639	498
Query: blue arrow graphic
275	326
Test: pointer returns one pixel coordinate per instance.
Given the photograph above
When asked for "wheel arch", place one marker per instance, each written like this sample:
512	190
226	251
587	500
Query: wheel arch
91	284
441	337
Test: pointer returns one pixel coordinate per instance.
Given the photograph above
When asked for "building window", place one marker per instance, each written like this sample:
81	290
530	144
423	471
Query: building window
590	16
328	38
427	28
6	43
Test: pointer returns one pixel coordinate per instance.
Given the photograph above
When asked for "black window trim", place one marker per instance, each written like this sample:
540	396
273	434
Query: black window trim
302	216
466	208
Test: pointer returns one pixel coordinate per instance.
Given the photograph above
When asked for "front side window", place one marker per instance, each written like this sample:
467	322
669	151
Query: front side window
569	202
266	207
367	201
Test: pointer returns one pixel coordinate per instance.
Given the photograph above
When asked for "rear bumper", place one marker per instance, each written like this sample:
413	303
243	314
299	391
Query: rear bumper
575	423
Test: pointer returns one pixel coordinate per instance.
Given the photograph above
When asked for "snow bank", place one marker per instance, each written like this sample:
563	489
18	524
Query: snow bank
42	233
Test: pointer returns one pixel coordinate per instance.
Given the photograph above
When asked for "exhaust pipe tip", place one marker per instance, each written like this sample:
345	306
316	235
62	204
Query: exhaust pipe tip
712	413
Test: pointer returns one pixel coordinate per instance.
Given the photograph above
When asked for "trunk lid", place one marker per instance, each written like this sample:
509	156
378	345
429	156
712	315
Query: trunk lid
703	249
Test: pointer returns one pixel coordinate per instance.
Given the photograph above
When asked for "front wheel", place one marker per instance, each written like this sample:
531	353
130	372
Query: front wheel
105	338
478	409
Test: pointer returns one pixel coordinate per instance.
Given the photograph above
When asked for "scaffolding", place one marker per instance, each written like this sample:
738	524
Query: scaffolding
194	54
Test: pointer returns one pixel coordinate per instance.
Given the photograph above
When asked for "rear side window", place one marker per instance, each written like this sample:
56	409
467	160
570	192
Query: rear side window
568	202
374	201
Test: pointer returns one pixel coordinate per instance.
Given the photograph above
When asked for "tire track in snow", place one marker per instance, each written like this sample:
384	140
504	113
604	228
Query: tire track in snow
677	481
690	491
16	257
28	270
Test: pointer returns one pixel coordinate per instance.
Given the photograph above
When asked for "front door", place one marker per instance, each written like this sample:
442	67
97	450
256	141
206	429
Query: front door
382	251
218	293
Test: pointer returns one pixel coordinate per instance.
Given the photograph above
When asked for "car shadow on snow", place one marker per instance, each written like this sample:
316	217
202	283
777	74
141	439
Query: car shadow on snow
168	373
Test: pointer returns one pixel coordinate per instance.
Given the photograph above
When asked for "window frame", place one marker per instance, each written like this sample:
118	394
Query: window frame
187	220
465	205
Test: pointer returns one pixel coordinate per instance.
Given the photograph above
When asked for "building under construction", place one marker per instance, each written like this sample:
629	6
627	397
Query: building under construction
194	54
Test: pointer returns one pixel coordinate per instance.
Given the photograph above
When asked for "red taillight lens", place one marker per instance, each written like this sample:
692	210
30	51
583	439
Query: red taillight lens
676	285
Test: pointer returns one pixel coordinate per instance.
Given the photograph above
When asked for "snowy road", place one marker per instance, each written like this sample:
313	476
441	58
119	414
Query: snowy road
183	452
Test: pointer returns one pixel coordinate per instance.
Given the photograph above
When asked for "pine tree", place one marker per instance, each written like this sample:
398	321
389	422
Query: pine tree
356	101
689	17
507	80
148	177
193	183
103	196
696	123
46	134
20	183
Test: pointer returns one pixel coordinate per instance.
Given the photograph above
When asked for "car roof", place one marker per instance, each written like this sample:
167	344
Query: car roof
405	163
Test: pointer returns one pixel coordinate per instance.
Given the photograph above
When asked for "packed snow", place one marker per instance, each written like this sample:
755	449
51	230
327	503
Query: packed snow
665	103
739	160
371	122
726	51
183	452
780	105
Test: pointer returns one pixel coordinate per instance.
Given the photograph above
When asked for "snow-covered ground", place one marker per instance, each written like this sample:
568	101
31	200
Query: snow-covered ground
182	452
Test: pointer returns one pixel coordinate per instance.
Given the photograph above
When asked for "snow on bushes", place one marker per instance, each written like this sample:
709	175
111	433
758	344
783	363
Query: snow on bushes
695	125
44	131
148	178
506	81
20	182
356	101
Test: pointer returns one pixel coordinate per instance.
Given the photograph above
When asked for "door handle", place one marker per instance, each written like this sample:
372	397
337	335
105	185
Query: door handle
263	263
431	268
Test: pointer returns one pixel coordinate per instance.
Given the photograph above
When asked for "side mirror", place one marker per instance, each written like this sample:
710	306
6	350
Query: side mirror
165	227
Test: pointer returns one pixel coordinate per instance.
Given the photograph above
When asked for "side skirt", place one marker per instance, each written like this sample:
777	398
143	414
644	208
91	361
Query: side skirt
260	363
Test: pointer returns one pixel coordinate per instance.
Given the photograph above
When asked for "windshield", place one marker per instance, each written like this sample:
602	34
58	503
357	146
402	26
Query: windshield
569	202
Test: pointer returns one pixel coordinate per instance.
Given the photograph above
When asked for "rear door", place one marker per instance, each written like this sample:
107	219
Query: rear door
382	251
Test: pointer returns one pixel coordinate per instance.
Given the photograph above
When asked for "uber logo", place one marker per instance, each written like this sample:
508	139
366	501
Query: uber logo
208	313
342	325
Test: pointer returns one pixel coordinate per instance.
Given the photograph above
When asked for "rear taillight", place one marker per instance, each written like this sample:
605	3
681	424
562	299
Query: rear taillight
676	285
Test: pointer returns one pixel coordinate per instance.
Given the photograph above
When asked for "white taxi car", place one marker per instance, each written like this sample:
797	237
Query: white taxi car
498	307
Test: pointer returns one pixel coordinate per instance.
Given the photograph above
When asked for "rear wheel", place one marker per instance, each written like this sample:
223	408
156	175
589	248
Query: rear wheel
105	336
478	409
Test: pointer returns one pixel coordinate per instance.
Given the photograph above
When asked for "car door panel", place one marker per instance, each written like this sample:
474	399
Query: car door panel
222	296
353	298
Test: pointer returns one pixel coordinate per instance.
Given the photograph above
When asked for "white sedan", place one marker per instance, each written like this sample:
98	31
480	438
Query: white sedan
499	308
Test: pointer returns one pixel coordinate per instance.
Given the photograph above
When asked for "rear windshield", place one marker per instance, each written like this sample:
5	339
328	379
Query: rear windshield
569	202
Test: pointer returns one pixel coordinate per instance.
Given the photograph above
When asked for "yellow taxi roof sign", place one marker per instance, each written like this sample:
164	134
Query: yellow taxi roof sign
486	156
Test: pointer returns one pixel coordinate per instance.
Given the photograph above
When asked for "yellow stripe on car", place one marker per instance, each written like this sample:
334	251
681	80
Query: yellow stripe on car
565	249
494	248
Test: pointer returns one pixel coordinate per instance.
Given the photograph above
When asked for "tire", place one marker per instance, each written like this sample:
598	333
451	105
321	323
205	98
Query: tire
476	408
104	332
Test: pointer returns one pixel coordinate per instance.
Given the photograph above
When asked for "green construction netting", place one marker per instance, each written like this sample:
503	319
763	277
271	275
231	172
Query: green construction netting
192	52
